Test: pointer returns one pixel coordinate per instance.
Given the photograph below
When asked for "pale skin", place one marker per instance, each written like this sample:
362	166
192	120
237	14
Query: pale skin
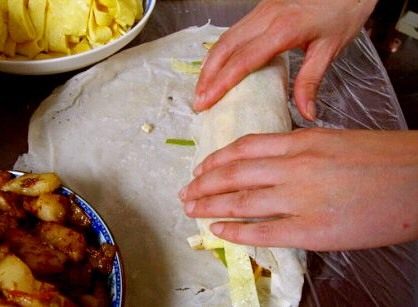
321	189
317	189
320	27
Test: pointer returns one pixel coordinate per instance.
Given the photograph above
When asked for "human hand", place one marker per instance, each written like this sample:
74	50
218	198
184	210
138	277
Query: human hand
320	27
317	189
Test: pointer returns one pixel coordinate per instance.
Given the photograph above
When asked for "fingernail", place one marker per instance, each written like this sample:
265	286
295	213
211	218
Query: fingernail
189	206
217	228
183	192
199	100
198	170
311	110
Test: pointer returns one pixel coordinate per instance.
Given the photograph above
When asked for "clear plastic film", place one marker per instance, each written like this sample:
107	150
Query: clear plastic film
355	94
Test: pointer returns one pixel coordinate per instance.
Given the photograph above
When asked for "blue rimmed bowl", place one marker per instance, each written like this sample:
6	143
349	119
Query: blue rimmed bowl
100	230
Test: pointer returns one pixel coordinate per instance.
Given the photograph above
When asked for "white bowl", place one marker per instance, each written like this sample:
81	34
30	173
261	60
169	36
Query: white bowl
73	62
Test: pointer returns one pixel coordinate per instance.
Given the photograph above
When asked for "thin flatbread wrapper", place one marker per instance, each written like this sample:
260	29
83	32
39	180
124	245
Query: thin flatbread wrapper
89	132
258	104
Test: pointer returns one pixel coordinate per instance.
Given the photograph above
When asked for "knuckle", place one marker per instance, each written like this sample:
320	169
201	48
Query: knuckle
222	50
311	80
304	134
202	207
223	38
244	144
223	46
315	134
309	135
194	188
263	232
278	25
232	173
209	163
241	204
245	62
305	161
233	231
286	141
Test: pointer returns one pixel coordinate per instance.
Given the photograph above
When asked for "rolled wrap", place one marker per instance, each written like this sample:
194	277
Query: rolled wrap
258	104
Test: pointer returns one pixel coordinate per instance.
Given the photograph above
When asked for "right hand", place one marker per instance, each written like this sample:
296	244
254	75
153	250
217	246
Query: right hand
320	27
316	189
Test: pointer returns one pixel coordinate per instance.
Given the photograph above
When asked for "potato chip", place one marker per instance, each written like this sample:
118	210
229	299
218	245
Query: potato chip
101	35
3	32
41	29
64	18
49	55
43	56
3	6
81	47
98	34
73	39
37	12
3	24
111	6
108	3
139	11
101	14
126	13
29	49
10	47
20	25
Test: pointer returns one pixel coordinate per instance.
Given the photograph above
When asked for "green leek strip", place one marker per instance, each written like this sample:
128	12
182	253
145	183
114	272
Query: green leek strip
211	242
241	278
187	67
208	45
180	142
220	254
240	271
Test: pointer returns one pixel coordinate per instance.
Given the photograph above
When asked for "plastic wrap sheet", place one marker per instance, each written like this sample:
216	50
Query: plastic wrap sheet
355	93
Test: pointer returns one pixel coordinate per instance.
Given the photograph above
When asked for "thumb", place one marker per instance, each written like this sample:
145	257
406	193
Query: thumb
317	59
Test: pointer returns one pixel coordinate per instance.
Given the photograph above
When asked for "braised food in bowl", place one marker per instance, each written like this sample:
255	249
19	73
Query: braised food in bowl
50	251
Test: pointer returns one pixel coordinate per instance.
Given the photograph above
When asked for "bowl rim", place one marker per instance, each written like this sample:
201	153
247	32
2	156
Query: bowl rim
118	257
147	10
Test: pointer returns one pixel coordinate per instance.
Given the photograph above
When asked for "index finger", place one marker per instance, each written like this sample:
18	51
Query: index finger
217	56
244	31
251	146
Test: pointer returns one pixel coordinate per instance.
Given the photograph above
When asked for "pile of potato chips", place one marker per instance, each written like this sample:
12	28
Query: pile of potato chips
39	29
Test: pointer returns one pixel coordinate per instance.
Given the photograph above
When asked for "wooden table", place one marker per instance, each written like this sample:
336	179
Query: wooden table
384	277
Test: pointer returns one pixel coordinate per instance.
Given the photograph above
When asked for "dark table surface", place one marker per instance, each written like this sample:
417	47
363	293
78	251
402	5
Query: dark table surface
387	276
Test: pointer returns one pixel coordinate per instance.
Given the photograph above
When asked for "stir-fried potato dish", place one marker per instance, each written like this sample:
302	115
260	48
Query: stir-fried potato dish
48	254
40	29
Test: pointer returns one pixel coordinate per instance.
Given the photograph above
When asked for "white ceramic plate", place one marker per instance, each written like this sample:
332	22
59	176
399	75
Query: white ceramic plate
73	62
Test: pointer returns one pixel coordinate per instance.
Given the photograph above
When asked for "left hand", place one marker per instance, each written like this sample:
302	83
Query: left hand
319	189
319	27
